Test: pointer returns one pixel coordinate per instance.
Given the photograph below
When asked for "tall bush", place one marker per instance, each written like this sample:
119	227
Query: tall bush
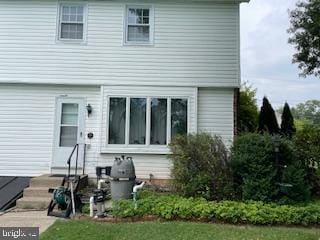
307	144
258	174
200	166
253	166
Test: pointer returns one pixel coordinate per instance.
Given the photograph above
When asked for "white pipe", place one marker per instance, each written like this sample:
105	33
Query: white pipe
99	183
72	200
92	198
137	187
91	206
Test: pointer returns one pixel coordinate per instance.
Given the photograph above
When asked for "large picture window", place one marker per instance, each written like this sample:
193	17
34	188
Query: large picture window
146	120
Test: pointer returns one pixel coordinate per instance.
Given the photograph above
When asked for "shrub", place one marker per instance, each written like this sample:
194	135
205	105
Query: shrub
172	207
307	144
200	166
253	164
258	175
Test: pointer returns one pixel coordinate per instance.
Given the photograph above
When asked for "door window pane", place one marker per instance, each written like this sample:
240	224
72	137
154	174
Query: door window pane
68	136
138	120
69	114
117	120
158	134
179	109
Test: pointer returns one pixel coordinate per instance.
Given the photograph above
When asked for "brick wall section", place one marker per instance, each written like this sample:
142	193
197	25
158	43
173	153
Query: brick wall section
236	105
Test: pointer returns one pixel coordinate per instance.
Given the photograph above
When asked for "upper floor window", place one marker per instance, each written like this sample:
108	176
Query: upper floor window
139	24
71	24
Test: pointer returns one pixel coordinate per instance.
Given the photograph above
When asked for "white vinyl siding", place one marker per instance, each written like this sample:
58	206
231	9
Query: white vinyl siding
27	126
27	130
215	113
195	44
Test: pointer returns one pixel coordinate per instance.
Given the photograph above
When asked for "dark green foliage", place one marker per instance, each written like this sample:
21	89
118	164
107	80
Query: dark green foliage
200	166
253	164
307	144
171	207
267	118
248	109
305	25
292	171
258	175
287	122
308	111
295	175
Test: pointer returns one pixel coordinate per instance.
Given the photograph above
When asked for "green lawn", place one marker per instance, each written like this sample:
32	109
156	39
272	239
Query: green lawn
72	229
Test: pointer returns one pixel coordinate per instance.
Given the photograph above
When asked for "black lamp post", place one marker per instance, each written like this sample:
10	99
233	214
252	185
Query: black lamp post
280	166
277	156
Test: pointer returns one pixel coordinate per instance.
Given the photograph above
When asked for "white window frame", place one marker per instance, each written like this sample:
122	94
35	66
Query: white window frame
59	21
151	25
147	147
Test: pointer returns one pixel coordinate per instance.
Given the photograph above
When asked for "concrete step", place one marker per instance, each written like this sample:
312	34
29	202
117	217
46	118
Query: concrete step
36	192
46	181
38	203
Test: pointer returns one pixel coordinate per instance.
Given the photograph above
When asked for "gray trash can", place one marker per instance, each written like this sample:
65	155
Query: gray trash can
123	177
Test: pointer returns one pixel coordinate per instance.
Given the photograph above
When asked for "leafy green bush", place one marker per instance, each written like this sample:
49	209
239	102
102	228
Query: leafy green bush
172	207
307	145
253	164
200	166
259	177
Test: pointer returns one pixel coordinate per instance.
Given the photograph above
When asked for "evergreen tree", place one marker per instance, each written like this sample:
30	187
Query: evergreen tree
248	109
267	118
287	122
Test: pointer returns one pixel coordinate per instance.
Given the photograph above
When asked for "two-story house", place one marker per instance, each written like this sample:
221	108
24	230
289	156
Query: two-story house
116	77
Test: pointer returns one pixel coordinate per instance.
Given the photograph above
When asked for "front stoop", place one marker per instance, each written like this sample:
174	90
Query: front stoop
36	196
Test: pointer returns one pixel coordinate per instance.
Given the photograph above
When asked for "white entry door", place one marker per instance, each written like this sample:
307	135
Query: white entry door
69	131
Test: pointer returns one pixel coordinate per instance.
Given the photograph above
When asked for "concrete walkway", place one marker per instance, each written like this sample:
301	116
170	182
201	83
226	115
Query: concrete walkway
27	219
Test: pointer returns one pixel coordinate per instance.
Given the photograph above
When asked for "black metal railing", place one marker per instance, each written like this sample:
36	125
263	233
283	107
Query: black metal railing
75	149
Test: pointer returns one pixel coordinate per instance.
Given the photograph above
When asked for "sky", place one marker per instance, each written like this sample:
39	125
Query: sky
266	56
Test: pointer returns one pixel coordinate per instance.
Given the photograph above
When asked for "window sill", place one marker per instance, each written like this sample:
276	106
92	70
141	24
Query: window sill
71	41
139	150
138	44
